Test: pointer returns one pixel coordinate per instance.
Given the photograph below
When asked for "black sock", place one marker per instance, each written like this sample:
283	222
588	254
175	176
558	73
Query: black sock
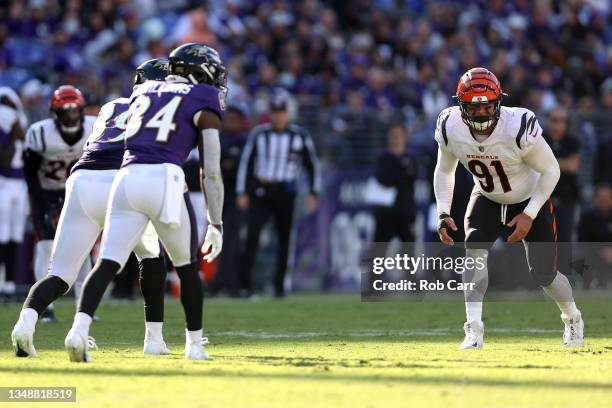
9	260
3	253
44	292
96	283
192	297
152	284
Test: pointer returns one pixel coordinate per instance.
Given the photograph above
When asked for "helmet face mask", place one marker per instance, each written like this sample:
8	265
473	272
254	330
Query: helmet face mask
480	116
69	120
479	95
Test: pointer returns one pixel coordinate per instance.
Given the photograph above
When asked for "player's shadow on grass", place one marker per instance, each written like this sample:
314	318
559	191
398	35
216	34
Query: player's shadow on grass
326	374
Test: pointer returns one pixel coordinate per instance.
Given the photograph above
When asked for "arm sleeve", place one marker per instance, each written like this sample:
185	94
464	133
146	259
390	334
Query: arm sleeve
444	180
212	181
245	167
541	158
311	163
31	164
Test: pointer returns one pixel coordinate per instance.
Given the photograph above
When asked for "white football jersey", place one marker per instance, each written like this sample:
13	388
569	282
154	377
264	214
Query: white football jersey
496	163
44	138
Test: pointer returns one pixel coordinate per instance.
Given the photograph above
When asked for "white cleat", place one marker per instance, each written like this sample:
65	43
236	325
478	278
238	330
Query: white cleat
573	336
155	347
474	336
78	345
194	350
22	338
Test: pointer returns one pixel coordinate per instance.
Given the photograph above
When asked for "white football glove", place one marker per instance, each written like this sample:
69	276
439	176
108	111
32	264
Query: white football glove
213	242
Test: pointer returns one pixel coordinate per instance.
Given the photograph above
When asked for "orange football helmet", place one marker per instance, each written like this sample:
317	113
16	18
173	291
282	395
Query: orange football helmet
67	104
479	86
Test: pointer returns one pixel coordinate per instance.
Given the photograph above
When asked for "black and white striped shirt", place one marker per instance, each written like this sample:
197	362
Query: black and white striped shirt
278	157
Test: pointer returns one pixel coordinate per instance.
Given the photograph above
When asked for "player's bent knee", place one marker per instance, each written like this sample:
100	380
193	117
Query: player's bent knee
188	271
544	279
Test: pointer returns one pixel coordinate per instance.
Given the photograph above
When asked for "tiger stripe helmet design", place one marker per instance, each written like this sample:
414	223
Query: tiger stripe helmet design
476	86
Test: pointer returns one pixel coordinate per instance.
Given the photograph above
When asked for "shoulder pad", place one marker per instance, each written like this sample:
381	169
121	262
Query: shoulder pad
35	135
527	128
441	134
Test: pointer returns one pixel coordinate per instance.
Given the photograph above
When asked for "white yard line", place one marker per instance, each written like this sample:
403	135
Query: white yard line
369	333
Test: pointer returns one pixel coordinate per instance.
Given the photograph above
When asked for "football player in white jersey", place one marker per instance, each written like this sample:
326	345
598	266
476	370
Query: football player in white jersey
52	147
514	171
14	197
87	192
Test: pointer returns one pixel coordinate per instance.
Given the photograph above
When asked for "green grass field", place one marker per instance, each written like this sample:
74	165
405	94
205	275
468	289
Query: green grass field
328	351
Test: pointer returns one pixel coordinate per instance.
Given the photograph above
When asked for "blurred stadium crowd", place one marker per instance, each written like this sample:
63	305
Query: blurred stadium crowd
353	68
399	58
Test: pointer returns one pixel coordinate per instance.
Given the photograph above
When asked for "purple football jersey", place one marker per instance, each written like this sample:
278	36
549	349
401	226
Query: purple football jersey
105	145
14	169
160	126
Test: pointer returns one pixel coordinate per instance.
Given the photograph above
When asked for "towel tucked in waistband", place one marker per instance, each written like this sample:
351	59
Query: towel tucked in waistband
173	198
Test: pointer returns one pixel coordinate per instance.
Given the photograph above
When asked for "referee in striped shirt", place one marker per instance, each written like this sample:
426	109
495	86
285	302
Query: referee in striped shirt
270	165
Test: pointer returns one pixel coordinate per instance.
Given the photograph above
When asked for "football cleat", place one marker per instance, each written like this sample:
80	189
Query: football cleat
194	350
78	345
155	347
22	338
474	336
48	316
573	336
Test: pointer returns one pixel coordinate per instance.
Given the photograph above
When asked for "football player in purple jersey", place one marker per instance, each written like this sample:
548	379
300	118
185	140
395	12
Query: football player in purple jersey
166	120
13	200
87	192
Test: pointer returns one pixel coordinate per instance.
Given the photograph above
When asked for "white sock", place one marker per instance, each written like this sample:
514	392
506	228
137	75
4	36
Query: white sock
78	283
479	275
473	311
77	292
153	330
42	256
81	322
29	316
194	336
561	291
